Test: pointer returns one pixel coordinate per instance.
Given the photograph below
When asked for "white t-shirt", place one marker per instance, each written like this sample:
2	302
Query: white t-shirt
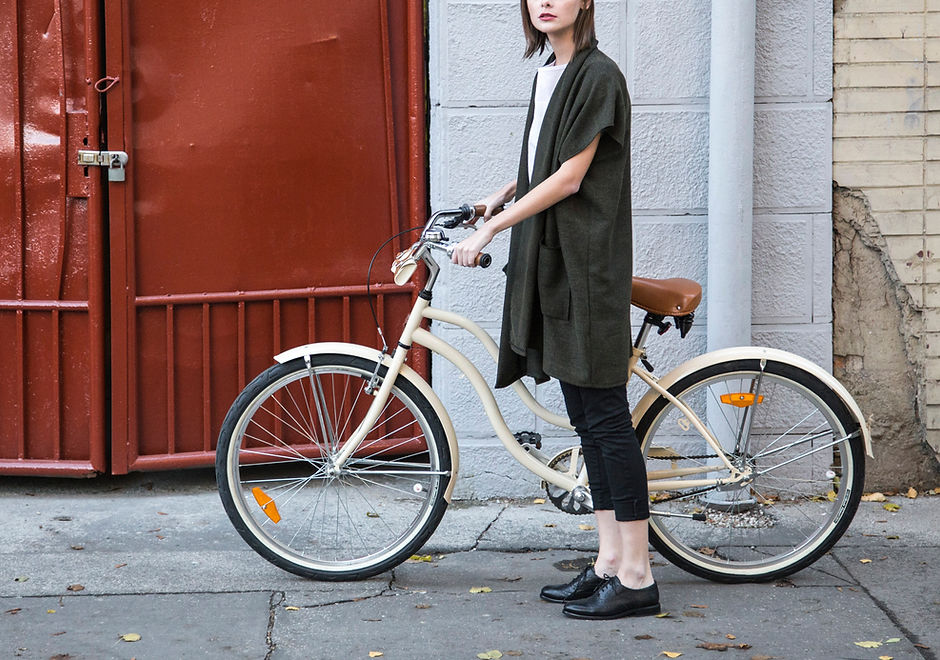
545	81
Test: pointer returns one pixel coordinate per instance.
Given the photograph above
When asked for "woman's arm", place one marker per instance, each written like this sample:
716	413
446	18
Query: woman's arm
565	182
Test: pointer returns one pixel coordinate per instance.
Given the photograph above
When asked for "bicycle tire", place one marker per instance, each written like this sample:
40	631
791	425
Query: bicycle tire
274	479
804	496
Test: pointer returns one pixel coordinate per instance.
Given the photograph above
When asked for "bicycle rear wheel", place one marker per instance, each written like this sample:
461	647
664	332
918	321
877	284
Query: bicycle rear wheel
795	434
275	476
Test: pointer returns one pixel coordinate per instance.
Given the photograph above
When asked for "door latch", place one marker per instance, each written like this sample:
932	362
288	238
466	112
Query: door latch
113	160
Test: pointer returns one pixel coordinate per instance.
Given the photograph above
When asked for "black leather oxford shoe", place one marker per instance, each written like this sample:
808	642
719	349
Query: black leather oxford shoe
613	601
585	584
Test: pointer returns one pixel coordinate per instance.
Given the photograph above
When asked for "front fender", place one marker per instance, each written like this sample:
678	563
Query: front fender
409	374
758	353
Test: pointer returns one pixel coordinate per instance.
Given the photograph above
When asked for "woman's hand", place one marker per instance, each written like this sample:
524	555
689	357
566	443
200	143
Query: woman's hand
465	253
496	200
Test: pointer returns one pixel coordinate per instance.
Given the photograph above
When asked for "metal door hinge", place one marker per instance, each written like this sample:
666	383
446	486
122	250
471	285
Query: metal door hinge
113	160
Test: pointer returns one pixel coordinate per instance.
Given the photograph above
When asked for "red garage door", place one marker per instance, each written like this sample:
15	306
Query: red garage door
271	148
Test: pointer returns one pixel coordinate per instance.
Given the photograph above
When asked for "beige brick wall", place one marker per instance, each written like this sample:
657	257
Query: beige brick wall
886	143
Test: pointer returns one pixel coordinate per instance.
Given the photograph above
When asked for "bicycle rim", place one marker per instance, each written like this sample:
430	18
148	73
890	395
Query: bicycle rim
286	500
795	435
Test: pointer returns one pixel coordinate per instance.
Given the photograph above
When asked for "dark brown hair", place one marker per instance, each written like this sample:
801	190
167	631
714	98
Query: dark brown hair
583	30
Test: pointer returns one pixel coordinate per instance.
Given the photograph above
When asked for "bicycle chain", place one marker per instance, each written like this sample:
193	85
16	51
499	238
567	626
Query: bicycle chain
682	458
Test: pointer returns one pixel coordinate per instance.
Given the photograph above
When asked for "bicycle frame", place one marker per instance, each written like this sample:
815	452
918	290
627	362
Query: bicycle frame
528	457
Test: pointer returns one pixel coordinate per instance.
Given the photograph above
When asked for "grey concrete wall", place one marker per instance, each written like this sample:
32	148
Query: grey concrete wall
479	88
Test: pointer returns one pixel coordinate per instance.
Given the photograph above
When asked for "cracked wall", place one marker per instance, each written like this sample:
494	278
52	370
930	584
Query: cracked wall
886	218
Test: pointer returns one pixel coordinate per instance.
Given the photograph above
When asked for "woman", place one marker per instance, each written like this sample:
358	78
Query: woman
566	310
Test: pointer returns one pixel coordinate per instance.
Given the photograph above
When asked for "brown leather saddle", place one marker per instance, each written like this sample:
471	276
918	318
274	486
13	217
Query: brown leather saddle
673	297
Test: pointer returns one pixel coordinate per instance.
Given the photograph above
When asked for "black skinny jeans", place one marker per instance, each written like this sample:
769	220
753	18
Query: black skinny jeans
615	466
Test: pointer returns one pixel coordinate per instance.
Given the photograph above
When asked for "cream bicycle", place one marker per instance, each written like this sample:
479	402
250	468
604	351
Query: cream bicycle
338	462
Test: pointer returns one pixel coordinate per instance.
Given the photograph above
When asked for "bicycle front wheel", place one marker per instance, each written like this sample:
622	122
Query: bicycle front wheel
801	445
275	471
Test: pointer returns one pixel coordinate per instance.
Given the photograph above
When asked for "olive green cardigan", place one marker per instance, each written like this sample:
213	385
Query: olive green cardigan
567	307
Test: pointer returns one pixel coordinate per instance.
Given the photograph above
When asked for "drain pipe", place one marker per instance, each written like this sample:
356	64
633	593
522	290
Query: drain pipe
730	173
730	202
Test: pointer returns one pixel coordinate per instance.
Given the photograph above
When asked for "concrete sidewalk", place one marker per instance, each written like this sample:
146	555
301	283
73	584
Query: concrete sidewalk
156	556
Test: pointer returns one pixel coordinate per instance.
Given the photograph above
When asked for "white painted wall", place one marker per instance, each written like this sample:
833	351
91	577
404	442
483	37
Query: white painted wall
479	88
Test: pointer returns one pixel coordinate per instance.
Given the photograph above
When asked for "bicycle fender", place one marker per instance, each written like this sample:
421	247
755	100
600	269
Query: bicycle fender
368	353
758	353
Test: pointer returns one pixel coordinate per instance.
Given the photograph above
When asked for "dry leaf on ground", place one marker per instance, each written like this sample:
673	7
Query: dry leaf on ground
480	590
539	500
586	527
911	493
292	608
549	525
868	645
873	497
490	655
891	506
643	637
663	615
422	606
885	657
893	640
864	561
76	587
417	558
375	654
730	636
671	654
130	637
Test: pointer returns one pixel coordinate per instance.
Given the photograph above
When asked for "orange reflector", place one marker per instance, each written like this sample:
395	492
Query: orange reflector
267	504
740	399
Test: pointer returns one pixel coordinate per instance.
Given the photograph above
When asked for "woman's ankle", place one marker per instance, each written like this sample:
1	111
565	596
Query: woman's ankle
636	578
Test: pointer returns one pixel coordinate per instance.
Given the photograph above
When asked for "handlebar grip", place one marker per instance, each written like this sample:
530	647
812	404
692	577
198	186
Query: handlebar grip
484	260
480	209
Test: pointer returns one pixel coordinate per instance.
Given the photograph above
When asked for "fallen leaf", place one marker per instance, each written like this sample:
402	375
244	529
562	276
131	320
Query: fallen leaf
664	615
911	493
549	525
13	610
417	558
120	565
480	590
700	607
761	657
423	606
160	513
539	500
586	528
891	506
20	578
706	551
514	653
77	547
923	646
885	657
490	655
671	654
131	637
873	497
57	634
893	537
868	645
893	640
730	636
713	646
50	611
643	637
511	579
371	514
831	496
292	608
75	587
160	537
864	561
375	654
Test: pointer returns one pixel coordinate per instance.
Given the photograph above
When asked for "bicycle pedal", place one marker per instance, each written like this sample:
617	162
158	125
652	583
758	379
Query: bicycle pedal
528	438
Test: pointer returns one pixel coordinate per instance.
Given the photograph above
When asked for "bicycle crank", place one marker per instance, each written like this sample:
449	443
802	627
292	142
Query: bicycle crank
578	501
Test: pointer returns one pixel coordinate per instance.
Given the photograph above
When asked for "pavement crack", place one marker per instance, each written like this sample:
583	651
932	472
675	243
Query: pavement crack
927	654
277	598
492	522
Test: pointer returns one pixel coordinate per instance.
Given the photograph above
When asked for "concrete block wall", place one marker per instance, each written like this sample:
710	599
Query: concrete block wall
479	87
885	147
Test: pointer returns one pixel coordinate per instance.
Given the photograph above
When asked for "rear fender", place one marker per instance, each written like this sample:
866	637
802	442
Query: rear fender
757	353
409	374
